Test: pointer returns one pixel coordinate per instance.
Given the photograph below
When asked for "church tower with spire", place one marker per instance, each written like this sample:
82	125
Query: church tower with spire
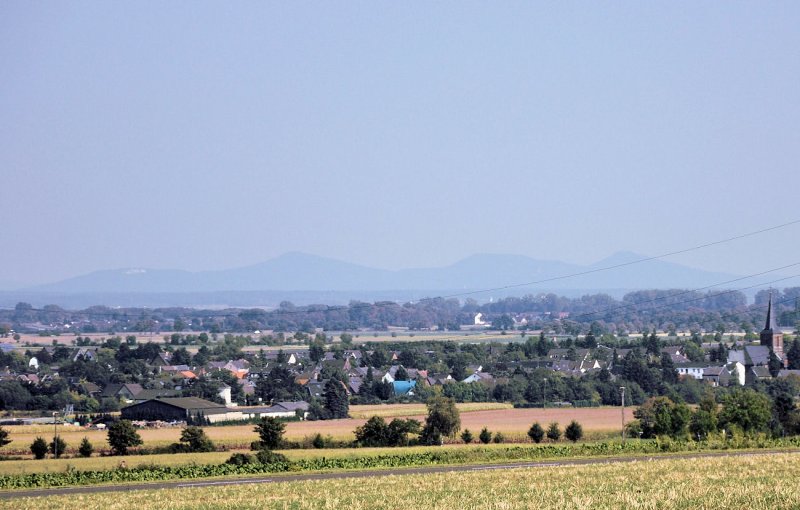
771	335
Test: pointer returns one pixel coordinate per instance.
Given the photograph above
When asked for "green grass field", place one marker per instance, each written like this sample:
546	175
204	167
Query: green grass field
755	483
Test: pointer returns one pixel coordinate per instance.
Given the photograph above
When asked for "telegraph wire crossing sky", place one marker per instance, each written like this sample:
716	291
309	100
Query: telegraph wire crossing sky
394	135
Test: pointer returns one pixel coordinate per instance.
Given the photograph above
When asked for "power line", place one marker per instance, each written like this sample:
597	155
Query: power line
624	264
669	305
506	287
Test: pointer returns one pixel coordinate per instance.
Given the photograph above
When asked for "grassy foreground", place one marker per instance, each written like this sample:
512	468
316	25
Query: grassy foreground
758	482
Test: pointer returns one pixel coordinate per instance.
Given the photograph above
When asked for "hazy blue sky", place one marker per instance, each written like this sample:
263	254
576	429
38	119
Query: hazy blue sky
395	134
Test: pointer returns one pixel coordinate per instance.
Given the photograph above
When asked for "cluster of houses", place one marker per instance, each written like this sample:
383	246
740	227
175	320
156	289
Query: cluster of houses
743	366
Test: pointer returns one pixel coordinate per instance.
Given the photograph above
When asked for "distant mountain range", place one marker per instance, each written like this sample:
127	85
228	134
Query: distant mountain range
301	272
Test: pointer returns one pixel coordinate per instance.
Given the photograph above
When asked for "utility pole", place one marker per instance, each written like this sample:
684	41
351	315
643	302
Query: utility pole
544	397
55	434
622	392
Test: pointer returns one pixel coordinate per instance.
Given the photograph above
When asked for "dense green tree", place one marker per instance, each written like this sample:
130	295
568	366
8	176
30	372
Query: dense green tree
4	440
374	432
401	374
39	448
573	431
793	355
278	385
668	372
775	365
121	436
704	420
660	416
85	449
337	403
485	436
443	420
194	439
536	433
466	436
553	432
57	447
747	409
270	432
316	351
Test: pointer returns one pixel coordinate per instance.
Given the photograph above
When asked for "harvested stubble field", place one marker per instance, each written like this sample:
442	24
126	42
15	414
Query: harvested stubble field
756	483
513	423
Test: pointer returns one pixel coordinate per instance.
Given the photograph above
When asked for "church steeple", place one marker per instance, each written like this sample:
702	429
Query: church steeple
772	335
771	322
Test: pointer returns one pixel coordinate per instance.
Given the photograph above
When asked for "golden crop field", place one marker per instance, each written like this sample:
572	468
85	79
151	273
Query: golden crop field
597	422
755	482
394	410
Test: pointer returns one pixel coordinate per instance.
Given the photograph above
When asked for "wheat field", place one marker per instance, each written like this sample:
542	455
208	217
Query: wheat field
754	482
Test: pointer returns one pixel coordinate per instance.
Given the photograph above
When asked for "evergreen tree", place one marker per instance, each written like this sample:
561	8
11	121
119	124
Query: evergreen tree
57	447
536	433
574	431
554	432
668	372
85	449
270	432
466	436
485	436
775	365
793	356
39	448
336	401
401	374
4	440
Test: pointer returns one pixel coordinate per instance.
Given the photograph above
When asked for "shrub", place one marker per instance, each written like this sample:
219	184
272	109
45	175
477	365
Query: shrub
574	431
57	447
85	449
466	436
39	448
485	436
4	440
536	433
193	439
240	459
499	438
553	432
270	457
318	442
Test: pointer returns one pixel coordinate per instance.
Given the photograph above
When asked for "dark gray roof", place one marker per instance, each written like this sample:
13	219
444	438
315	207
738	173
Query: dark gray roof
771	324
190	403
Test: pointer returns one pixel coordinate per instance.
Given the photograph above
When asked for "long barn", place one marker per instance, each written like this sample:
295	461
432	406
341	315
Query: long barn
189	409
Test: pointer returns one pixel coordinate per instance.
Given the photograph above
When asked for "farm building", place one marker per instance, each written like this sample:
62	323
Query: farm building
189	409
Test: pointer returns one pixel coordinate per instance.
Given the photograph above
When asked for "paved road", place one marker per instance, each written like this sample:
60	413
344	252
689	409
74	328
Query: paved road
177	484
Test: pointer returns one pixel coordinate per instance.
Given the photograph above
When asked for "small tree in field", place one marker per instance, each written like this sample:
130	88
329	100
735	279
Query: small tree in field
193	439
4	440
57	447
270	432
554	432
39	448
536	433
574	431
443	420
485	436
466	436
121	436
85	449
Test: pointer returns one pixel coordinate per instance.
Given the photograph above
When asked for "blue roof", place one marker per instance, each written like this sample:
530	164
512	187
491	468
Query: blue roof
403	387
